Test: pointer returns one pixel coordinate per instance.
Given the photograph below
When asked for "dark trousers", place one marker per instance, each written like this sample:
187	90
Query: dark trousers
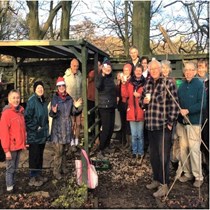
107	116
91	117
125	125
160	154
36	152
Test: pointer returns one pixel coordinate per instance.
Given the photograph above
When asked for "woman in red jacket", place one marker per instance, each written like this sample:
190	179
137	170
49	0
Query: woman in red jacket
13	135
135	114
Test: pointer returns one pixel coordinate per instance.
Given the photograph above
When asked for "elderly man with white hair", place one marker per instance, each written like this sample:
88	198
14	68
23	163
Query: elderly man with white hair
160	115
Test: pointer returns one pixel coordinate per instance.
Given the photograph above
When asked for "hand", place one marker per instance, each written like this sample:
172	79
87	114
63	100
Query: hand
169	127
8	155
55	108
146	100
184	112
78	103
136	94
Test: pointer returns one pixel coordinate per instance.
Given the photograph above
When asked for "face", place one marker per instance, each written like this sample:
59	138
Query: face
107	69
155	70
165	70
39	90
189	71
61	88
144	64
74	66
126	71
202	70
133	53
138	72
14	99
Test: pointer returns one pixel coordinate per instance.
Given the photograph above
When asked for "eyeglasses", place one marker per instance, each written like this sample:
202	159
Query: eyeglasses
61	85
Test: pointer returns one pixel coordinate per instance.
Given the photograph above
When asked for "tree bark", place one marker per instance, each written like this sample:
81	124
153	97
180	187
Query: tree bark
141	26
65	19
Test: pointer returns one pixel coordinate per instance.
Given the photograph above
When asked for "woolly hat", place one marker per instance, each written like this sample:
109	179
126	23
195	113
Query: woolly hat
106	62
129	66
38	83
60	81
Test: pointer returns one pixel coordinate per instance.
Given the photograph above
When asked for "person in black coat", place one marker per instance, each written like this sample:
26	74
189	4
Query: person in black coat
107	102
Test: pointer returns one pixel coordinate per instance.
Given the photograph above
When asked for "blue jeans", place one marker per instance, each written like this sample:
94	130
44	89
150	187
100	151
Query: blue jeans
11	166
160	154
137	134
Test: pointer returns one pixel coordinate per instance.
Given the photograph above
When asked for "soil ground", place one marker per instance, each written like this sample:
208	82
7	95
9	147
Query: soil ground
122	186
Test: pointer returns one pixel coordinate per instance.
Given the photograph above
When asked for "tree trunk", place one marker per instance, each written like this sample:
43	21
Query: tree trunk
141	26
33	20
65	19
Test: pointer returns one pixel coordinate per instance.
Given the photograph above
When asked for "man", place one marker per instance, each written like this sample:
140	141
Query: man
204	77
160	114
134	54
192	99
73	81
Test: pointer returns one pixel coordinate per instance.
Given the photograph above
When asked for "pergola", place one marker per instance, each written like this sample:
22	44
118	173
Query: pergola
46	49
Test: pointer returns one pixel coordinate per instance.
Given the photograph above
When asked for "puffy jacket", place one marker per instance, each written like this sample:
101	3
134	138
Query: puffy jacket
13	130
61	125
107	91
134	111
73	83
36	118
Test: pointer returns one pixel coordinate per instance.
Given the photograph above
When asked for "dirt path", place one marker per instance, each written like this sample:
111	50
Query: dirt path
123	186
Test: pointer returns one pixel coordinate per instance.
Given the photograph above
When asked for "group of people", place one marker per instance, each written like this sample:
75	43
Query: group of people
30	128
151	106
152	109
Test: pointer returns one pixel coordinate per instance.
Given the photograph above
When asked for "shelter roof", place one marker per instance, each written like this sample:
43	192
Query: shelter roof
49	49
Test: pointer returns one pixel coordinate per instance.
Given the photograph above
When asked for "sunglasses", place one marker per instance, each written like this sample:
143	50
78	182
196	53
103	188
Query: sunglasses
61	85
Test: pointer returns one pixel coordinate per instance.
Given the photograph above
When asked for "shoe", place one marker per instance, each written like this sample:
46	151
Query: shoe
34	182
140	158
57	176
72	142
76	142
154	184
185	178
100	155
43	179
133	155
198	183
162	191
10	189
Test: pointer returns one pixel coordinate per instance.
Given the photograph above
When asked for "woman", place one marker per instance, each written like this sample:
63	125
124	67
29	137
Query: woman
62	106
107	102
122	104
36	118
135	114
13	135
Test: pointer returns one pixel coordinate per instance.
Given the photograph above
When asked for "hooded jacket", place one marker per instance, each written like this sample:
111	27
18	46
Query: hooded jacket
13	130
134	111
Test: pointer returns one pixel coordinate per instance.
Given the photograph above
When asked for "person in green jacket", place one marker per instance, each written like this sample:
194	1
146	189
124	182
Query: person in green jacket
36	118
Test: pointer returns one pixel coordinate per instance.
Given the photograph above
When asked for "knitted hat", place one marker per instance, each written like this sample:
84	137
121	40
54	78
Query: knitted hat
106	62
36	84
128	65
60	81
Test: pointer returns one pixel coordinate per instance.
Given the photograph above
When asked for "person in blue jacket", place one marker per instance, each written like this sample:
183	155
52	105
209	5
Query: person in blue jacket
36	118
192	100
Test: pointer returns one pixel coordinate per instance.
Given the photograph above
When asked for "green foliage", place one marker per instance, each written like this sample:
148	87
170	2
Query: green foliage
71	196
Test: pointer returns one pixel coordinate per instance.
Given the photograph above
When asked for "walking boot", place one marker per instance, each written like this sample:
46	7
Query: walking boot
154	184
162	191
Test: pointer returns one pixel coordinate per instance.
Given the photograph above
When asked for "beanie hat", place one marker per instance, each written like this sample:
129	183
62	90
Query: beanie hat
38	83
128	65
60	81
106	62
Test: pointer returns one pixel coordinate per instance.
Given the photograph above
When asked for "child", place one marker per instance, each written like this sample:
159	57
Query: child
13	135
